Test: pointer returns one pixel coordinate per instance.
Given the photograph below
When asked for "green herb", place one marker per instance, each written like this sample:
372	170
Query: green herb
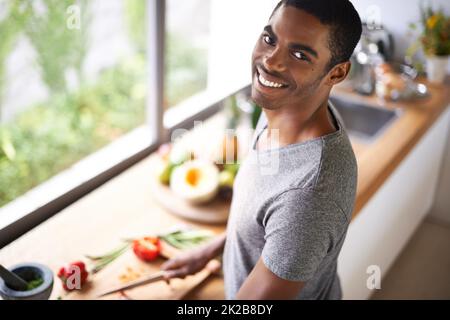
33	284
103	260
186	239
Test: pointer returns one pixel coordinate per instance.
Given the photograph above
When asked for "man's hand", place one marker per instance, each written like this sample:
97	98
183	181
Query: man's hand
262	284
186	264
193	261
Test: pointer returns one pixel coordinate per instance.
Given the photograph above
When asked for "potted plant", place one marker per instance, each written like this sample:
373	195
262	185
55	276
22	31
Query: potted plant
434	39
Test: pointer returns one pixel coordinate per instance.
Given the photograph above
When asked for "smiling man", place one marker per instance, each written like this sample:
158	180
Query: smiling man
287	225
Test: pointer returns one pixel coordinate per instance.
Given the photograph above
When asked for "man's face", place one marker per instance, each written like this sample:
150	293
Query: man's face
290	60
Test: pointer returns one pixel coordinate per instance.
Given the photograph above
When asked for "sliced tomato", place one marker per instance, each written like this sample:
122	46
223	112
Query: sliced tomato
147	248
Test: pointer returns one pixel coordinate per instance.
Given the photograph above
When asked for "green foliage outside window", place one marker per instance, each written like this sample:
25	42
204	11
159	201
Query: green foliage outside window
52	135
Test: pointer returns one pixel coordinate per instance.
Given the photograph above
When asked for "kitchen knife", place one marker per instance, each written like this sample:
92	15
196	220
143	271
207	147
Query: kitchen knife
136	283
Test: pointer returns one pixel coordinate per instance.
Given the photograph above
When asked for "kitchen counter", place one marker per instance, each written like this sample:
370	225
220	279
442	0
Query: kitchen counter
124	207
376	161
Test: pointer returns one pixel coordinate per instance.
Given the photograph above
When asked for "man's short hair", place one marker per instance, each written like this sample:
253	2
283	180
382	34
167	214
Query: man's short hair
341	17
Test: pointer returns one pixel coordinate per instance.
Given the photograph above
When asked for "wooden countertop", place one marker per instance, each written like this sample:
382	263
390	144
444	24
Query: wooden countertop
124	206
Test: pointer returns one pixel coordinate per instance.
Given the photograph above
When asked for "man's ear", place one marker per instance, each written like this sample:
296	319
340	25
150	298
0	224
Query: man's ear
338	73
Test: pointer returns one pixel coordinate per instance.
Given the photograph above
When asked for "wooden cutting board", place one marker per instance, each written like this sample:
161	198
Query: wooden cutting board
214	212
128	264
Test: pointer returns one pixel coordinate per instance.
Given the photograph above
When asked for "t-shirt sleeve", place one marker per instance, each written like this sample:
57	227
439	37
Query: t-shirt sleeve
300	230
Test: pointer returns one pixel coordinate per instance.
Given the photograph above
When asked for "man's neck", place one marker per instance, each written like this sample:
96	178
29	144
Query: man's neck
295	126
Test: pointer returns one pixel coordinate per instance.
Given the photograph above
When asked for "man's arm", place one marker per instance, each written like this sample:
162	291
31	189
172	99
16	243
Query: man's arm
263	284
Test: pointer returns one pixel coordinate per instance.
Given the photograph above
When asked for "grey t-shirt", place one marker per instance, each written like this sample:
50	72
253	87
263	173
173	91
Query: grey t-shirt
292	206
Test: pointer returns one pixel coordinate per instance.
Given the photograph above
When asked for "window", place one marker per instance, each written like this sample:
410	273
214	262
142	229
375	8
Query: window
72	80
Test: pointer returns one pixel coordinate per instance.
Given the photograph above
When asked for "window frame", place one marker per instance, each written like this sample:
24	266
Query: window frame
159	126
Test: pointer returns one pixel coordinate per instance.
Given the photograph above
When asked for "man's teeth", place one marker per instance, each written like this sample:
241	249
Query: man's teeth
268	83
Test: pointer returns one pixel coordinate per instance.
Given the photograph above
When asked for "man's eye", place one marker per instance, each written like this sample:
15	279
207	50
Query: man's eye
267	39
300	55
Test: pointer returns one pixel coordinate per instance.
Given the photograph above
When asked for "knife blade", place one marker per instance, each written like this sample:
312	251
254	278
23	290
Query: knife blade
158	276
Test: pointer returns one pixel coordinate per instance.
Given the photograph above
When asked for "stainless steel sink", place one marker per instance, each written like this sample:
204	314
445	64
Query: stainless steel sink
364	122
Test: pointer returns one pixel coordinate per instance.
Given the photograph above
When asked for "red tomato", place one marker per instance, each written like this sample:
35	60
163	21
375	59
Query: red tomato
65	273
147	248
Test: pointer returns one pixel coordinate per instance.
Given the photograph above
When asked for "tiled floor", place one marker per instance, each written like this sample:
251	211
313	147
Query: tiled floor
422	270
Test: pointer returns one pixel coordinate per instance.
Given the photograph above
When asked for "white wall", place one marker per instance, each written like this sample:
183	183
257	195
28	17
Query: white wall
235	27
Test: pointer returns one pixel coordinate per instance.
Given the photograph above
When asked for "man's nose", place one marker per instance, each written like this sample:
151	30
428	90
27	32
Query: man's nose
274	61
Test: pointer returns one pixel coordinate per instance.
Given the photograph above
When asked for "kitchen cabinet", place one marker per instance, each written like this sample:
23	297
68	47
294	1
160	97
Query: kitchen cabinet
441	209
384	225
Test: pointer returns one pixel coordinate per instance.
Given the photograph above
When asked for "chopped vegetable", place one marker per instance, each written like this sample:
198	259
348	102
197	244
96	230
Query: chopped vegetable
33	284
130	275
147	248
68	275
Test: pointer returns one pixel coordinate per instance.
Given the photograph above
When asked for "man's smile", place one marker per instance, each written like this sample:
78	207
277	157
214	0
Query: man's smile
266	83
